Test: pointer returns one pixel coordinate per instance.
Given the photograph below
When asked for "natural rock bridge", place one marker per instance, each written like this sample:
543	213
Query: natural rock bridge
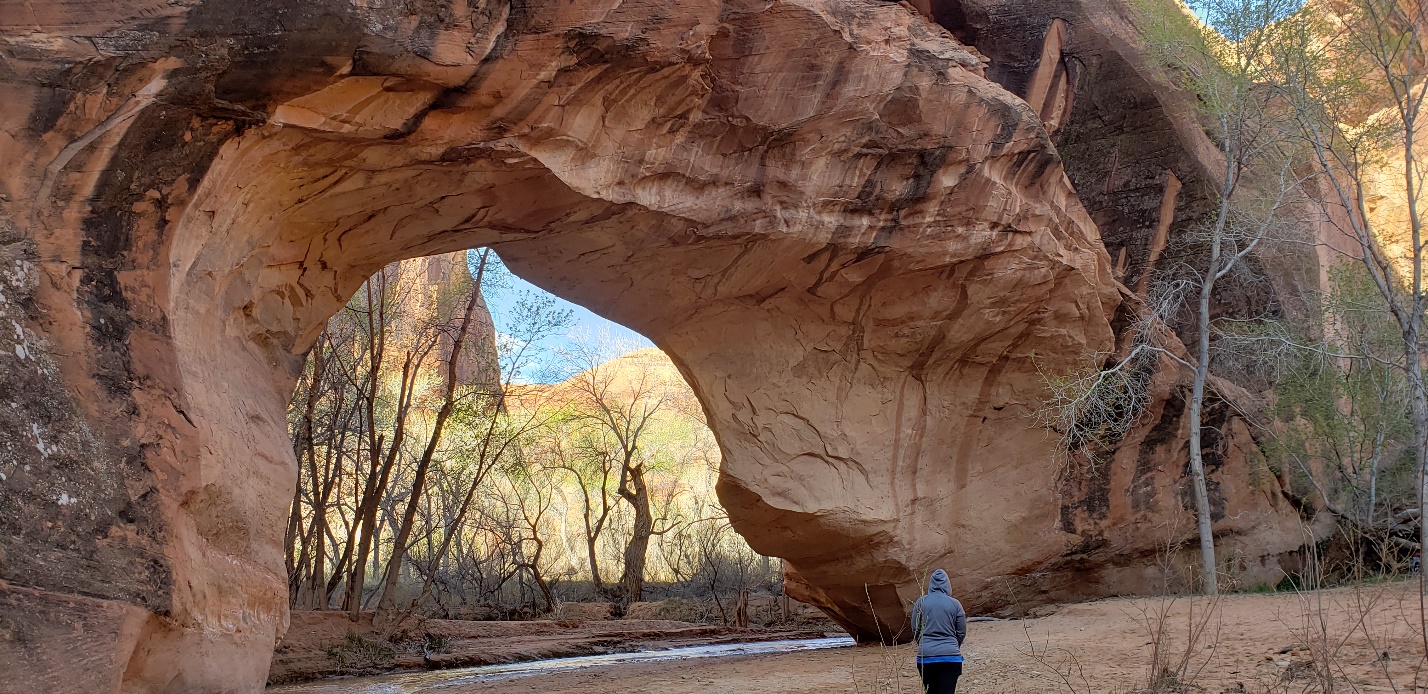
850	227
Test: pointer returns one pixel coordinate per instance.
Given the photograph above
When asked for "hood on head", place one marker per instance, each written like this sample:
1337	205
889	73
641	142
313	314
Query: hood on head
939	583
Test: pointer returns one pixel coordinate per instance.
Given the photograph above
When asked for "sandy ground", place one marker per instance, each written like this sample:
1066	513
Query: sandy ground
1268	643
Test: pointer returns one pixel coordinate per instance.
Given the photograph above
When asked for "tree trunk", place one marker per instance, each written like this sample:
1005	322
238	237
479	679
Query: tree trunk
1202	491
594	525
369	527
1418	410
318	601
450	536
1413	348
595	580
1196	407
632	581
366	515
533	566
292	536
366	532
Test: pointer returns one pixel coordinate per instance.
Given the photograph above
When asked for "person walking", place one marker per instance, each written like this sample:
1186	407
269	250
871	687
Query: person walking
940	627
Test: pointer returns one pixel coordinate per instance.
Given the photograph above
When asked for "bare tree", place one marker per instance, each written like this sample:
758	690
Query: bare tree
493	428
525	500
1358	82
371	432
618	399
384	295
1224	63
453	360
590	464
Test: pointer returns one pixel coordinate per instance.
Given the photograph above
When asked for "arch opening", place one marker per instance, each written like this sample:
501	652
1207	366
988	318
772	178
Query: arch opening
519	444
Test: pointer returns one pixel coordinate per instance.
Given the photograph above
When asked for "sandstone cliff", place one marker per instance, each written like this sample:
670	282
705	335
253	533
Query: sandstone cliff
852	231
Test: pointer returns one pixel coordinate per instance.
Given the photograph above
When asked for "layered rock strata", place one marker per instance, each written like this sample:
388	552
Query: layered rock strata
857	247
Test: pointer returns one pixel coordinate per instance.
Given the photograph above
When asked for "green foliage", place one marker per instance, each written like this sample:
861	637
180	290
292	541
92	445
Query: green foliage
1292	583
1345	433
1222	60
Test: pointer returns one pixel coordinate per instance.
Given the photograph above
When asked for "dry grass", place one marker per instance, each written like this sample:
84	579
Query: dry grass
1358	639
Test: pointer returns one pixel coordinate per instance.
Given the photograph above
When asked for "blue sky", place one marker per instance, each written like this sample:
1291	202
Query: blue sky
512	299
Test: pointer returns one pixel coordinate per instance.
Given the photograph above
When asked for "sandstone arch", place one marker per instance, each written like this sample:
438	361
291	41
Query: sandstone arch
849	239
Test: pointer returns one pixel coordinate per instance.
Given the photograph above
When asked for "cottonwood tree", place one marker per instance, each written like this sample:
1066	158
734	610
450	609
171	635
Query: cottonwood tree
1343	426
617	399
489	431
351	375
588	460
523	505
385	414
1358	80
328	432
323	420
1224	64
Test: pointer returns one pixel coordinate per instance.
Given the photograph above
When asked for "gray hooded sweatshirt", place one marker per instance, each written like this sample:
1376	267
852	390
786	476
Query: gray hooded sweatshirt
938	622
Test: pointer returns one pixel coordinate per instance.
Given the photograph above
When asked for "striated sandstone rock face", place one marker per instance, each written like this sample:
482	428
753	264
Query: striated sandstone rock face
851	240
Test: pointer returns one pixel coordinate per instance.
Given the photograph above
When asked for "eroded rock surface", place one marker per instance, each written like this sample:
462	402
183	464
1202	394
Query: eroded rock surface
1145	170
857	247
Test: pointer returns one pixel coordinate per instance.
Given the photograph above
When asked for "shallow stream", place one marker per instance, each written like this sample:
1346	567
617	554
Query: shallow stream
434	681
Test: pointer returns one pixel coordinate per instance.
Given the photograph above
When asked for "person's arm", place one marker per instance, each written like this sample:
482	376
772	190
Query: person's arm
959	625
917	621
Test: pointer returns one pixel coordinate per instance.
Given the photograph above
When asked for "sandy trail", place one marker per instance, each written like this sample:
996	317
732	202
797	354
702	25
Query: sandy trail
1253	643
